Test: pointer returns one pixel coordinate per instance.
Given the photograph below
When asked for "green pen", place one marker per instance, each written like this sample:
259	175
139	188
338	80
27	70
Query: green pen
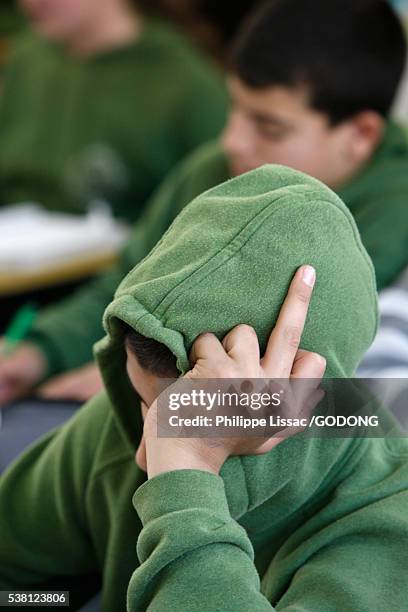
18	328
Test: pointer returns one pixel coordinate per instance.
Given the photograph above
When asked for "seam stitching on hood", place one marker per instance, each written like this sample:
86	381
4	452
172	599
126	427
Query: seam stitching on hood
228	251
237	243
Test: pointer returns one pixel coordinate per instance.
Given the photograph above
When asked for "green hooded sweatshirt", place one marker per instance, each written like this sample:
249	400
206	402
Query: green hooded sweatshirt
108	127
377	198
317	524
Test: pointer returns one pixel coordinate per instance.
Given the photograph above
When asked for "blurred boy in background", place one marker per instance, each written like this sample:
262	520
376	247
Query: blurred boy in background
312	84
98	105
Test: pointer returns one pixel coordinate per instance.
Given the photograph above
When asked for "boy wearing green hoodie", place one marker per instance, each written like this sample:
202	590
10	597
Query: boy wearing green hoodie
99	103
315	524
312	86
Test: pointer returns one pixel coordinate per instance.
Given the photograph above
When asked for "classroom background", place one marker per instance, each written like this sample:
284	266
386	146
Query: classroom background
87	140
104	139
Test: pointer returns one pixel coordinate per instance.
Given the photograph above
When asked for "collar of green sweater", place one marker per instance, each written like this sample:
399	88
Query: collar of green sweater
384	168
227	259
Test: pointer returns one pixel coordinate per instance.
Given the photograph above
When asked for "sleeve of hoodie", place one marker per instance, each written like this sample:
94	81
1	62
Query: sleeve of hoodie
43	505
67	331
193	554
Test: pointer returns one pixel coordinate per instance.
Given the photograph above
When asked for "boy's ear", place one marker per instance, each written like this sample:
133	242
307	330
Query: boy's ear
367	132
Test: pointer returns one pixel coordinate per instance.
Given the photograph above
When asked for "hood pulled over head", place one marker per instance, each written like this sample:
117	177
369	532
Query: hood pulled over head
228	259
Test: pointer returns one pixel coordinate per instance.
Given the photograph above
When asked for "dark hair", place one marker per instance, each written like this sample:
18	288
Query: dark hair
152	356
350	54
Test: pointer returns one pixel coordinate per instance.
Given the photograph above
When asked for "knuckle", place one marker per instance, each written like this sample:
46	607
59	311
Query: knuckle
302	295
246	329
292	335
319	360
204	335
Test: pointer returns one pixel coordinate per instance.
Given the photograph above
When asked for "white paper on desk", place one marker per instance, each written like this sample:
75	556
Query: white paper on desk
32	238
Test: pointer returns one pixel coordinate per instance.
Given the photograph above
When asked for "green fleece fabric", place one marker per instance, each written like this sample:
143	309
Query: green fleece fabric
377	198
314	525
108	127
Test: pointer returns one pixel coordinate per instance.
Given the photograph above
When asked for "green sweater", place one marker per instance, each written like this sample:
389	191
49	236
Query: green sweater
317	524
377	198
108	127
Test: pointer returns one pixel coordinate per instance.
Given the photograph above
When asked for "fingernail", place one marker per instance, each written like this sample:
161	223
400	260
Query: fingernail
309	276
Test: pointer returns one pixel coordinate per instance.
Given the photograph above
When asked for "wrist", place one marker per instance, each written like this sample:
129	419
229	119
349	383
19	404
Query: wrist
169	454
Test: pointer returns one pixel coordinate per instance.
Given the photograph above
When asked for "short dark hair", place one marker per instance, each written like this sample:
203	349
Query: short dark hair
350	54
152	355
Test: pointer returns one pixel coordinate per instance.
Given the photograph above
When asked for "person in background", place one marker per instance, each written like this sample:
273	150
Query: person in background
99	103
312	84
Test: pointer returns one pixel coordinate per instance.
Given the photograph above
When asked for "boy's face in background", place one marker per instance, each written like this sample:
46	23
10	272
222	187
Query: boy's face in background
277	125
60	20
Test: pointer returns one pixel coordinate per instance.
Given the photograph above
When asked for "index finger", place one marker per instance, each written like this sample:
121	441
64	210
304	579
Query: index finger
285	338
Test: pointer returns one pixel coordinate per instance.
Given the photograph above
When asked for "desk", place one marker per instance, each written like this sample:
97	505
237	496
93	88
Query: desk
15	283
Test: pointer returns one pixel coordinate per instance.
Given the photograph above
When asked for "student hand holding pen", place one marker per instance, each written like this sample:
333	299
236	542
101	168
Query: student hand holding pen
238	356
21	365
